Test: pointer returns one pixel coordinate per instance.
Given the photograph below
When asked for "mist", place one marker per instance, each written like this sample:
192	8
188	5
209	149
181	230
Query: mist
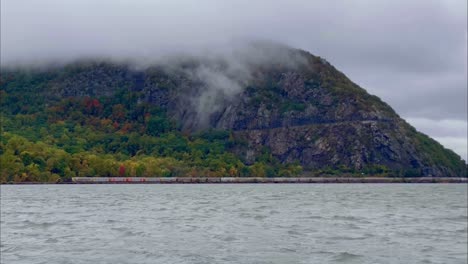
223	73
412	54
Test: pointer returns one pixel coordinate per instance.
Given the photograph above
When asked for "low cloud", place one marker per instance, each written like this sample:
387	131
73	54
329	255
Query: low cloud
222	74
410	53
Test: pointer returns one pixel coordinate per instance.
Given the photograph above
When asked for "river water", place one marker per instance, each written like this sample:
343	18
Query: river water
237	223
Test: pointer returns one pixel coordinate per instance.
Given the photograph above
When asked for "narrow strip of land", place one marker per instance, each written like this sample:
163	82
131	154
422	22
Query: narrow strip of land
160	180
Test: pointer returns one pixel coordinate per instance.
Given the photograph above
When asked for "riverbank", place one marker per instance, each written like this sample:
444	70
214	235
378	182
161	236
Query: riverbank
238	180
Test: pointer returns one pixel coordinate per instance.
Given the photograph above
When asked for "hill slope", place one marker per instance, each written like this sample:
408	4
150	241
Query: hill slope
261	111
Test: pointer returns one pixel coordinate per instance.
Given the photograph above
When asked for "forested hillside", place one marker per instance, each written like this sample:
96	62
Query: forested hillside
198	118
114	137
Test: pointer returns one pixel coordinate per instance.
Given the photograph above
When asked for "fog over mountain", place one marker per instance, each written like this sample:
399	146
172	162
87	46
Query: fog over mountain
412	54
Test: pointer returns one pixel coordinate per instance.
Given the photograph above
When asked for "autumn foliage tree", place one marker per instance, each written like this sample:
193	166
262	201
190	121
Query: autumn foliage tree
122	171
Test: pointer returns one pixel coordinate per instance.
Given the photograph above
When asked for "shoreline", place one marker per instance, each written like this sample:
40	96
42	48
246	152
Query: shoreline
250	180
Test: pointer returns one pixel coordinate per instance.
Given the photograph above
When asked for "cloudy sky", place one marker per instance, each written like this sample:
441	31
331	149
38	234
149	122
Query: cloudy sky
411	53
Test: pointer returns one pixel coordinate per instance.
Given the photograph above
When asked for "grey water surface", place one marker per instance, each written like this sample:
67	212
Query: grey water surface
237	223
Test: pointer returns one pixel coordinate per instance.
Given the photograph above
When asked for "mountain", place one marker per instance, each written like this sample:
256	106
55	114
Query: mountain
262	110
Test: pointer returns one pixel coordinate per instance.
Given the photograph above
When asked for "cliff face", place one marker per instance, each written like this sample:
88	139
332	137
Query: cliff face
300	109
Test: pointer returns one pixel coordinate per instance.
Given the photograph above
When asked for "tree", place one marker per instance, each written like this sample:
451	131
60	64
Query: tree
122	171
157	125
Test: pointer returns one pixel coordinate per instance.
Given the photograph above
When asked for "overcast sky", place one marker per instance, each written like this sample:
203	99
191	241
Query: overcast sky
411	53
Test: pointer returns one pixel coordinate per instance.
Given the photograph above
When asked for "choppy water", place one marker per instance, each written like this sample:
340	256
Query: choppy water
336	223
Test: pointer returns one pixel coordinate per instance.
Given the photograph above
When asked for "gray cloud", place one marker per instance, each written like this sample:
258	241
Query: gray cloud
438	95
450	133
441	128
410	53
457	144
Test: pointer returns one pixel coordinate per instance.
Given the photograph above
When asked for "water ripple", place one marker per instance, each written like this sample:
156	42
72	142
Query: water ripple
281	223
